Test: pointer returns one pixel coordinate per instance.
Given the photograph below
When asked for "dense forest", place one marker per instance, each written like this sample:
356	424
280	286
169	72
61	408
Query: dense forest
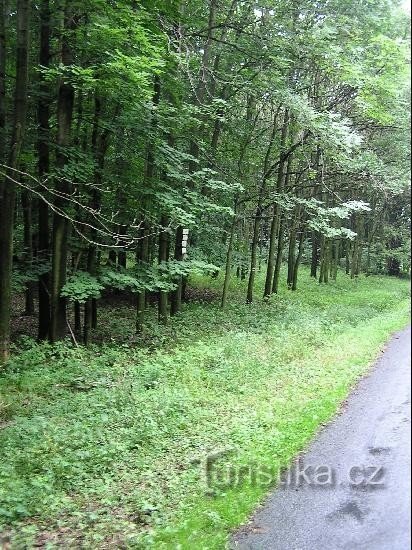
204	242
143	141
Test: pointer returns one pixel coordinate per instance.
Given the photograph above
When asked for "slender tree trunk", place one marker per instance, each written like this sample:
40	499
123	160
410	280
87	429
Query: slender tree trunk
258	215
163	257
3	110
335	260
8	188
61	227
354	269
26	203
279	256
77	317
368	260
347	256
323	260
324	269
315	255
360	244
143	260
298	260
253	254
229	256
291	254
88	306
100	142
176	295
146	244
43	117
275	222
291	259
274	231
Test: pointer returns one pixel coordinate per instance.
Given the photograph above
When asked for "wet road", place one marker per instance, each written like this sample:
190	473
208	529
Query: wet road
352	488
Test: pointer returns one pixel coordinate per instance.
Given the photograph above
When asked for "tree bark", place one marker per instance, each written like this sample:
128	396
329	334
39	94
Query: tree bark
325	260
298	260
26	203
279	254
291	255
176	295
163	257
43	152
100	142
229	256
143	260
8	189
65	103
3	110
275	222
315	255
258	216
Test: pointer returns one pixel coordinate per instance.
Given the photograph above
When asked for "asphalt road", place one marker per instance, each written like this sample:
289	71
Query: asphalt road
356	489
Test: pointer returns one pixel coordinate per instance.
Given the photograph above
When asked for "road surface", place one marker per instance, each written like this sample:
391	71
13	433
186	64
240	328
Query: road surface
351	489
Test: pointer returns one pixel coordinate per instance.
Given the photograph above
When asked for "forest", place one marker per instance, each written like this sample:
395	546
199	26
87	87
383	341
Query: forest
184	183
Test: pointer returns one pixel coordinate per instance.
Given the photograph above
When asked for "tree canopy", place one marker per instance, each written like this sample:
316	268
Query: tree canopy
142	141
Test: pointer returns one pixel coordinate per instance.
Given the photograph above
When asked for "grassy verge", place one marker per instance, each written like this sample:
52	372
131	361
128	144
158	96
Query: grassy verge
106	447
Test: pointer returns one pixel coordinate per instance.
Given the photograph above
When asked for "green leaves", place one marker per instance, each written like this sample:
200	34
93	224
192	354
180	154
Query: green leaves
82	286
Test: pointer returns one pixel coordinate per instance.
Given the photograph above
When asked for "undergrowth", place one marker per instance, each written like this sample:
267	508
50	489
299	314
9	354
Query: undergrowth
105	447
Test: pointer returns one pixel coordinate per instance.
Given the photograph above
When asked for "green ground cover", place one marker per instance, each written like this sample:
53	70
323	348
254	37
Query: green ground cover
106	447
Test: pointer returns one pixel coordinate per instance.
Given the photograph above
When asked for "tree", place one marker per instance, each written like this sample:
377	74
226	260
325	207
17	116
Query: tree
8	187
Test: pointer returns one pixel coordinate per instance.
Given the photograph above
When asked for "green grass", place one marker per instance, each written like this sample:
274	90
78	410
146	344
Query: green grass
105	447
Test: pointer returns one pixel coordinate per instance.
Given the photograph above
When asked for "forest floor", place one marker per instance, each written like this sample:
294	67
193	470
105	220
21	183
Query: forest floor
172	441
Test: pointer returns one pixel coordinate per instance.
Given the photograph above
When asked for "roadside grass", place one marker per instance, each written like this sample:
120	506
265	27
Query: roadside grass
106	447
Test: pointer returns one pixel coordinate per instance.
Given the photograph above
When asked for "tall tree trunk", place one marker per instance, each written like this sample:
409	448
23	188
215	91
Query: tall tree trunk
368	260
315	255
163	257
348	246
253	254
292	249
88	306
354	266
325	260
229	256
354	269
322	259
146	243
61	226
279	256
298	260
100	142
258	216
3	110
143	260
275	220
176	295
334	260
274	232
8	188
317	193
26	203
77	317
291	256
43	117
